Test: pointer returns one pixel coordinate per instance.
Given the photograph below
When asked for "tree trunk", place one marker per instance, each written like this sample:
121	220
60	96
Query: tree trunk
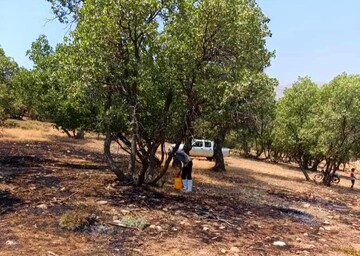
80	135
107	152
315	165
218	155
133	151
67	133
141	177
162	172
327	175
304	171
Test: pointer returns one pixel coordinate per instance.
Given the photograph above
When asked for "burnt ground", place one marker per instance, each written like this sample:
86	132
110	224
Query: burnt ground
240	212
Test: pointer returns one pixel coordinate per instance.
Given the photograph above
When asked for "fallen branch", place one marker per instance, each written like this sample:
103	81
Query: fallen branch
52	253
122	225
66	198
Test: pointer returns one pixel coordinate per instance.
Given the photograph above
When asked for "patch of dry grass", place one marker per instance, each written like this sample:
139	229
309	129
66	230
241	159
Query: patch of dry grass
350	251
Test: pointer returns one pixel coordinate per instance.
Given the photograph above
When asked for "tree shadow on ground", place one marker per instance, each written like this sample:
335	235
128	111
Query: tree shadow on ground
246	180
7	201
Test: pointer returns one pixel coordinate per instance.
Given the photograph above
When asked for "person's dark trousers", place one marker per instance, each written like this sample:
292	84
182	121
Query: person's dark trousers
186	171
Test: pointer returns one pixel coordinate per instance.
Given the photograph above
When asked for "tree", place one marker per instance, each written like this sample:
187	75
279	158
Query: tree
336	125
293	115
212	56
240	107
8	102
146	67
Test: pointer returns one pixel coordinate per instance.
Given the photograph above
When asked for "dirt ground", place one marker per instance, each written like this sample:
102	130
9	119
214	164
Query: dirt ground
255	208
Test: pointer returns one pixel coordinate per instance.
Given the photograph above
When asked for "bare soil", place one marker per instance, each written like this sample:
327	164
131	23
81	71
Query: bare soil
243	211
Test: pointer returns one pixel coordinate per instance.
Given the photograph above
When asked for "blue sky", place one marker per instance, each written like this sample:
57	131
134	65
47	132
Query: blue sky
318	38
21	23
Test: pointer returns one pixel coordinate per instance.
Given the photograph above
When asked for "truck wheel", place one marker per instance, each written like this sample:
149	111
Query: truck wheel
209	158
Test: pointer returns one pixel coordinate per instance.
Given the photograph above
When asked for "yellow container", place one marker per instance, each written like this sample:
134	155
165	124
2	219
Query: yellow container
178	182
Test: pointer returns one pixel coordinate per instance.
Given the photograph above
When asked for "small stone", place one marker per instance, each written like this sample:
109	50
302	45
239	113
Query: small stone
298	239
321	228
322	240
223	251
234	249
268	238
159	228
165	209
279	243
42	206
152	226
136	250
10	242
326	223
205	228
221	227
327	228
306	234
103	202
124	211
174	229
306	205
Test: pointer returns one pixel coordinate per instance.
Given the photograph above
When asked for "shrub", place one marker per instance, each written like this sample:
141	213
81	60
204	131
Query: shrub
78	219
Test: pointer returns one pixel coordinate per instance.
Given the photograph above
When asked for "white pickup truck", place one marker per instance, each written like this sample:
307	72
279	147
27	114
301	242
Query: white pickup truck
204	148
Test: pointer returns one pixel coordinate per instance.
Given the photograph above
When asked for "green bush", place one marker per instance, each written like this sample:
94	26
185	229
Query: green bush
78	219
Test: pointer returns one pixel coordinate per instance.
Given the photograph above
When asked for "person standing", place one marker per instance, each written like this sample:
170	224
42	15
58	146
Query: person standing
352	177
186	170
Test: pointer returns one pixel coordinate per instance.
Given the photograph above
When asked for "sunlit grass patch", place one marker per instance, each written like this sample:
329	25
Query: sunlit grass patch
28	124
133	221
350	251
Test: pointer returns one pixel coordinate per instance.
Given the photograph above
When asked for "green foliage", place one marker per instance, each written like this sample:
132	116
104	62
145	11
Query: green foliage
294	113
338	120
8	100
76	220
